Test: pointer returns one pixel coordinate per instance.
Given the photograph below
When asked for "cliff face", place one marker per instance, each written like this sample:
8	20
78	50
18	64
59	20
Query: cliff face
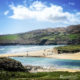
68	35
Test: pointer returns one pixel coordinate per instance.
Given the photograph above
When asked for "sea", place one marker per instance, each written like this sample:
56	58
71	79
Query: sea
38	61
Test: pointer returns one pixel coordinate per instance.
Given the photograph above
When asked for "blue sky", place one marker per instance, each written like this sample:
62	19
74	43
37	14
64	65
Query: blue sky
25	15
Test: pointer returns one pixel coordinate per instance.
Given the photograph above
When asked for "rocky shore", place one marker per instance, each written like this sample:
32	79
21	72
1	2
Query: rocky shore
13	65
35	69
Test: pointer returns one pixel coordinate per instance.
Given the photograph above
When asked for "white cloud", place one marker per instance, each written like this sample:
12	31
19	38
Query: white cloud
37	6
39	11
6	12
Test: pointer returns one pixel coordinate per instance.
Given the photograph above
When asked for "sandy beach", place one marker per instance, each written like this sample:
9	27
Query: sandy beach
50	53
54	69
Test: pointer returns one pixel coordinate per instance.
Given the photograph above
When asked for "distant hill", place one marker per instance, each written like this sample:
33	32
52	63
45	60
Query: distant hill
68	35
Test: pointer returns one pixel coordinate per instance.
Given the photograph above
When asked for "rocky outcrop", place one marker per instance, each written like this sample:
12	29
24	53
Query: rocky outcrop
73	29
10	65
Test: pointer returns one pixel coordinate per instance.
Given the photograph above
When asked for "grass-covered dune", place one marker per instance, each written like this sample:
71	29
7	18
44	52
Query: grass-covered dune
68	49
6	75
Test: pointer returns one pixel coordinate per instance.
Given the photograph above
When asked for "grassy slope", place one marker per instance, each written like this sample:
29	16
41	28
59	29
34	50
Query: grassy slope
9	37
48	37
69	49
5	75
53	35
73	36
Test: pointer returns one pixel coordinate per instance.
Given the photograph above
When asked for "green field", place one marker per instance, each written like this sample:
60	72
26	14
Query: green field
9	37
5	75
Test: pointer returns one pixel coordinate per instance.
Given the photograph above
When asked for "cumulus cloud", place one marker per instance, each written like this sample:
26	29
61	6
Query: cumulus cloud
40	11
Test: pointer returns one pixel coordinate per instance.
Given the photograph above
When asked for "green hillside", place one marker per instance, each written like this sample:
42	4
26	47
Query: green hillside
9	37
68	35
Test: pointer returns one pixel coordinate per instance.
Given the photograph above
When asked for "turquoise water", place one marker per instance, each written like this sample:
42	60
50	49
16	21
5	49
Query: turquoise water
49	62
23	48
34	61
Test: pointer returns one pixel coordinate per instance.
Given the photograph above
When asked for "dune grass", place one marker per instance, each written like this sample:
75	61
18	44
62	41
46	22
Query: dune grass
68	49
5	75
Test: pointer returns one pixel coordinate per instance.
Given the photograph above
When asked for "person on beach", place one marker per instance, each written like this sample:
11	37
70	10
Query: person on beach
27	53
43	54
44	50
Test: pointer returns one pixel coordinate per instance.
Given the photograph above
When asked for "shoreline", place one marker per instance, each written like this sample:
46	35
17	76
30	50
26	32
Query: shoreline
35	69
47	53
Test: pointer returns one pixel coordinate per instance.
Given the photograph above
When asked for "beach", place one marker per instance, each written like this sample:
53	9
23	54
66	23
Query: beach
48	53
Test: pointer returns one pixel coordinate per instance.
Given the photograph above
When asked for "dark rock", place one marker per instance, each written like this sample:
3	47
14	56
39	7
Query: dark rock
11	65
